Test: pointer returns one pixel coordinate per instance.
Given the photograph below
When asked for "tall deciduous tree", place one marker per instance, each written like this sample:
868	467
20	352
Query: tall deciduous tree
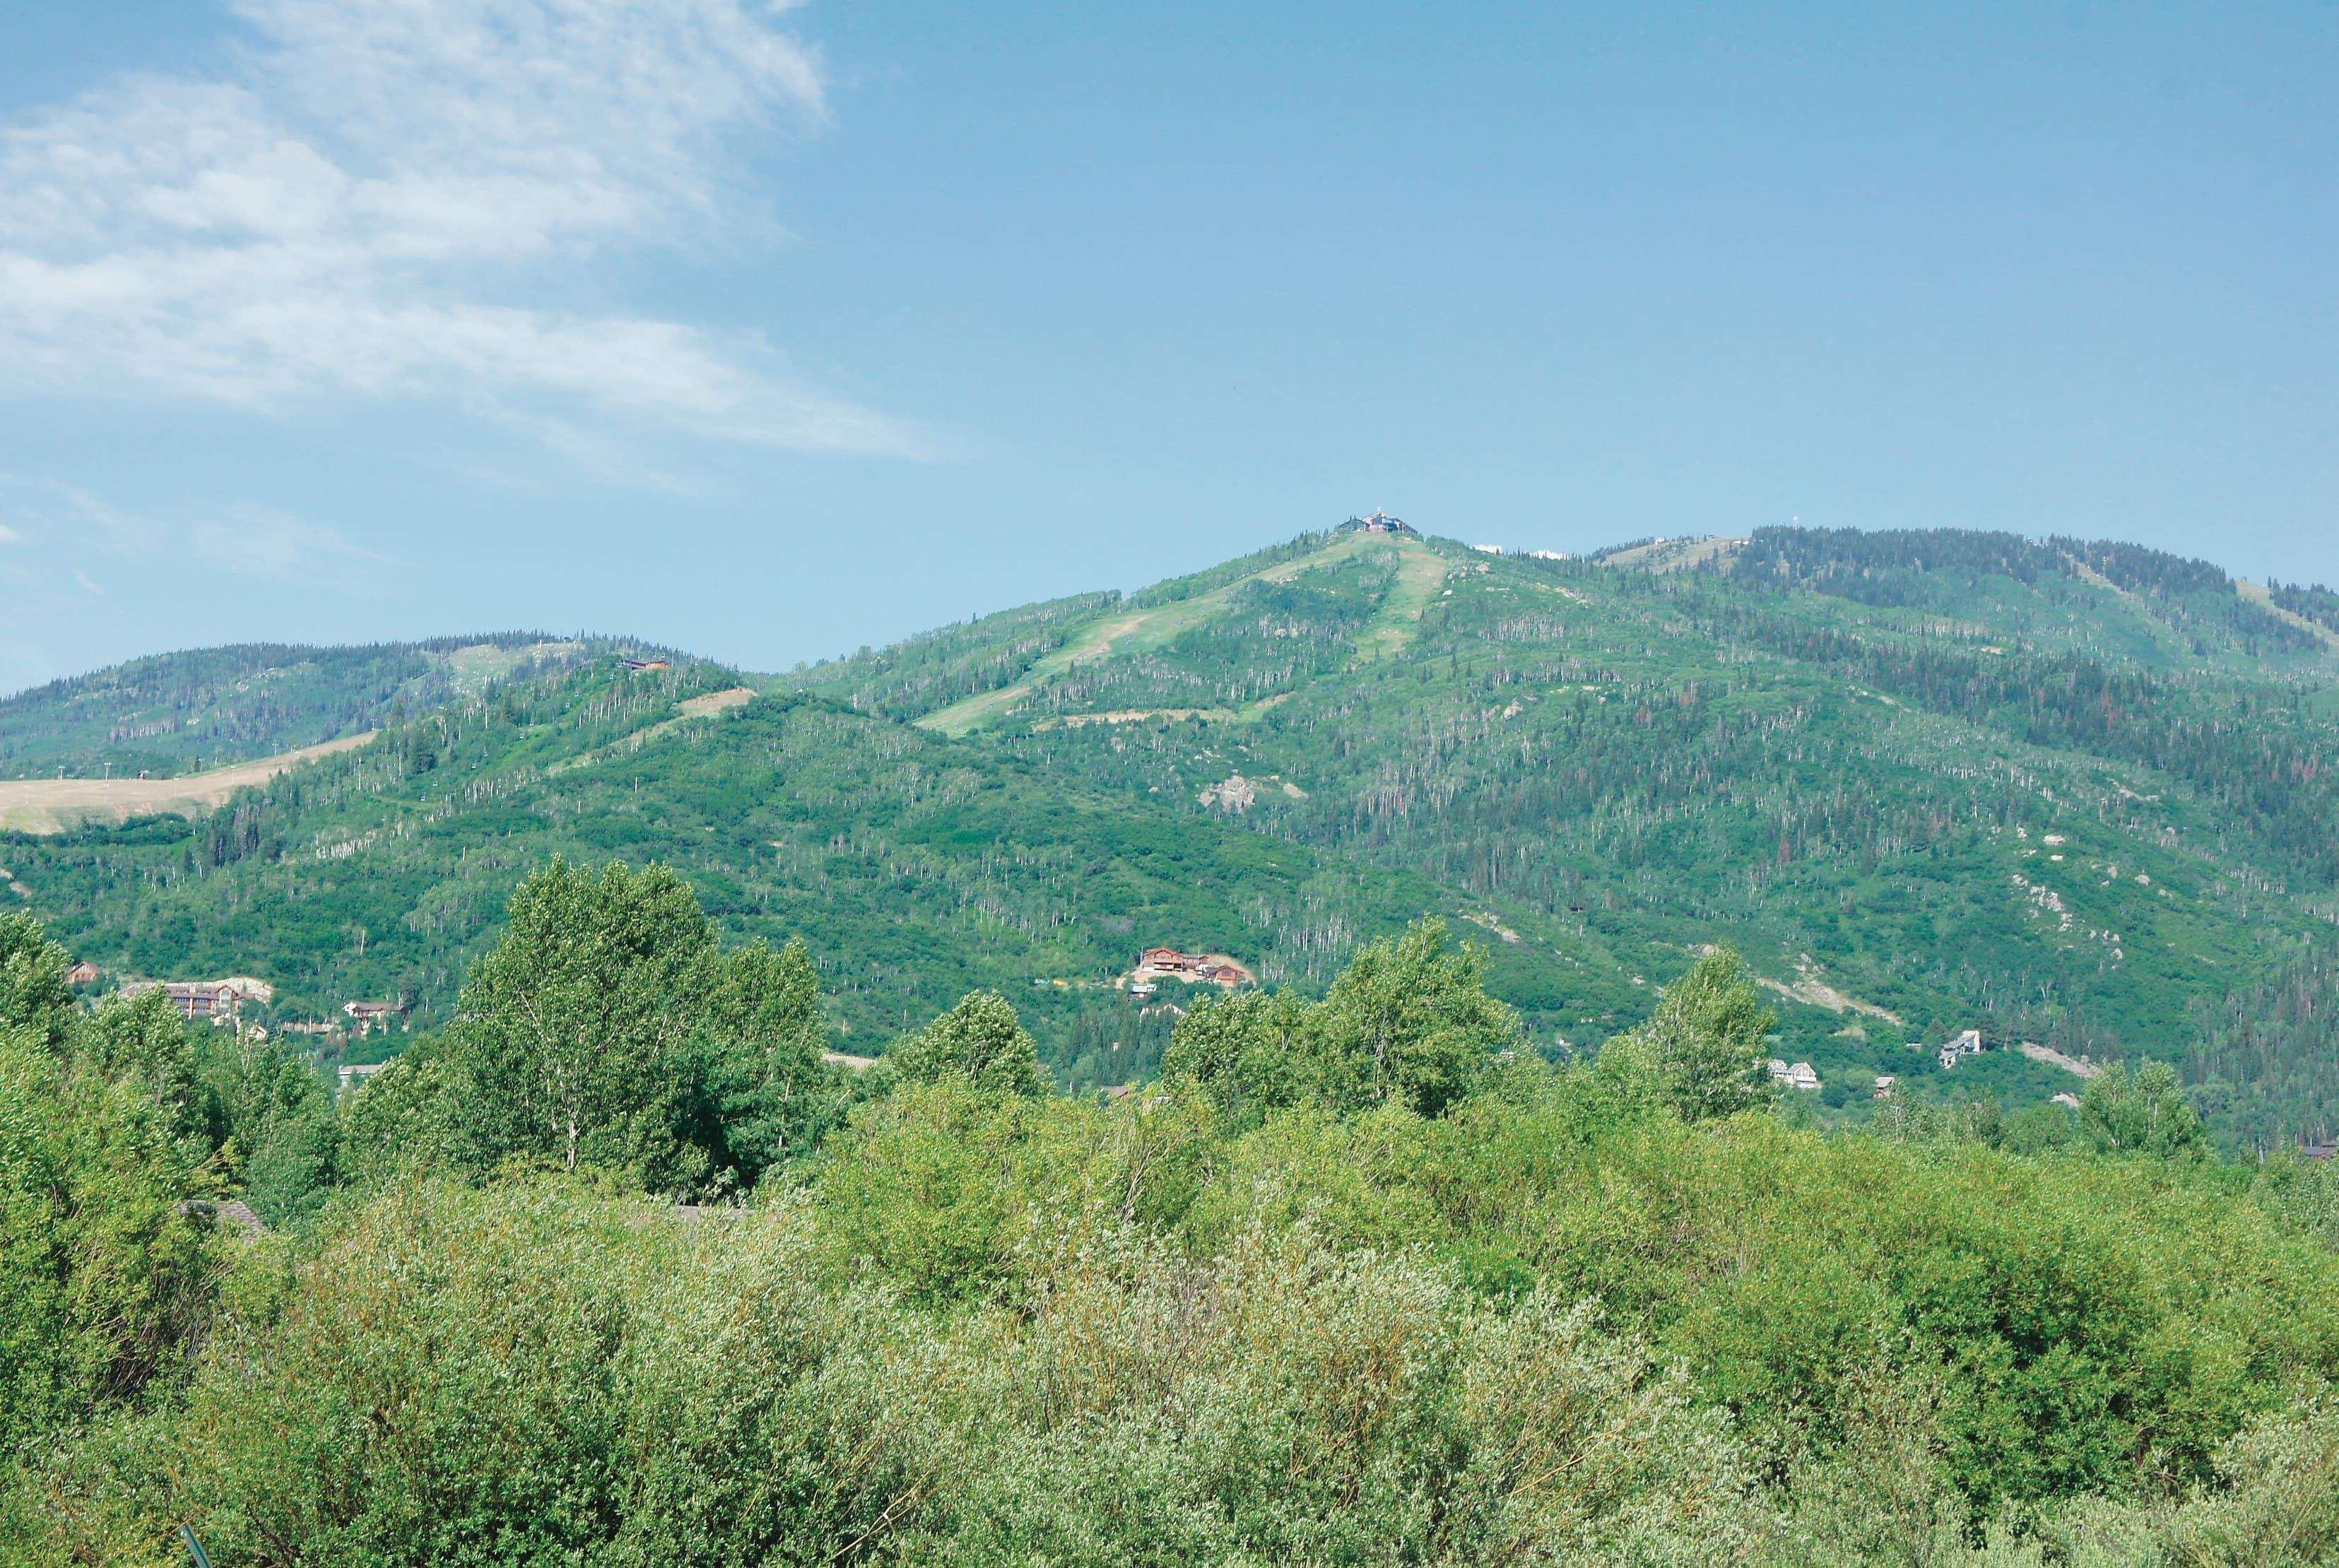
761	1036
2141	1110
980	1041
33	995
1409	1022
574	1026
1702	1050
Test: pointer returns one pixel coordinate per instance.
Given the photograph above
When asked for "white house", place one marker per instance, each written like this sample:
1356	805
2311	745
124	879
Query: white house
1966	1044
1798	1076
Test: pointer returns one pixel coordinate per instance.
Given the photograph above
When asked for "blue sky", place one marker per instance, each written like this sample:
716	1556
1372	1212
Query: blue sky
770	332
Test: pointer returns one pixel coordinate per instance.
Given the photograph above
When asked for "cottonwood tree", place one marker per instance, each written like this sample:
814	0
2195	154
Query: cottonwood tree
1409	1022
980	1041
2141	1110
1701	1051
607	1029
1243	1052
760	1037
34	996
574	1026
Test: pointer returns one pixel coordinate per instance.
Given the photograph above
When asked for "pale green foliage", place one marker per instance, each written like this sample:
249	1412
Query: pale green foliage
532	1375
1883	1491
1247	1053
144	1040
34	997
981	1041
2132	1109
574	1025
1701	1052
608	1030
414	1115
1409	1022
282	1137
1307	1302
760	1037
103	1280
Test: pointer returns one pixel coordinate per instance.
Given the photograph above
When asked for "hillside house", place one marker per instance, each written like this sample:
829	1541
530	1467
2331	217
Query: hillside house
214	1000
355	1075
643	664
1169	963
83	973
1380	522
1798	1076
1885	1083
1966	1044
364	1016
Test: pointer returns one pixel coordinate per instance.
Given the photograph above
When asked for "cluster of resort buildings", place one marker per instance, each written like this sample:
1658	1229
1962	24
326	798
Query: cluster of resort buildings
223	1002
1156	964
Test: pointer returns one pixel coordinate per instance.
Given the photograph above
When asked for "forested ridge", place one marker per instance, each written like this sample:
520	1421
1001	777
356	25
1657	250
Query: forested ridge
2069	793
177	713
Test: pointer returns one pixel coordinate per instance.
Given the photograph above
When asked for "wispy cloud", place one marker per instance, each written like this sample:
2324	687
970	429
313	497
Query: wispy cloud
246	538
370	203
68	515
263	542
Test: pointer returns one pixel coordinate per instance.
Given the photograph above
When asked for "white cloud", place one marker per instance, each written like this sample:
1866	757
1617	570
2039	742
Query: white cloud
83	577
373	204
9	535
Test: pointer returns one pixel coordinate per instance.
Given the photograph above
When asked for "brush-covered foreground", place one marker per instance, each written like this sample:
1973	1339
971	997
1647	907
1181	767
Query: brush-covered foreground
1361	1280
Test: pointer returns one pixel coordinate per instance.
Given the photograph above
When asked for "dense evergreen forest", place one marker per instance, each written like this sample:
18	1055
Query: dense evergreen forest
624	1266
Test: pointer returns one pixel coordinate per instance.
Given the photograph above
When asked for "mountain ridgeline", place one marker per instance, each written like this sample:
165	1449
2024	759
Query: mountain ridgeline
2078	796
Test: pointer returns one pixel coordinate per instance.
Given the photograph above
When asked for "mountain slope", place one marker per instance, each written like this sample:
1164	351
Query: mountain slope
1849	753
2069	793
916	868
180	713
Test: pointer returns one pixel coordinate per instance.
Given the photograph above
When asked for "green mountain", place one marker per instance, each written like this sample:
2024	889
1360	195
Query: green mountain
2073	795
176	713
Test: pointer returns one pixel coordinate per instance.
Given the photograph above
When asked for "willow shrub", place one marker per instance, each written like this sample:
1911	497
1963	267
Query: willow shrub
537	1373
2101	1325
